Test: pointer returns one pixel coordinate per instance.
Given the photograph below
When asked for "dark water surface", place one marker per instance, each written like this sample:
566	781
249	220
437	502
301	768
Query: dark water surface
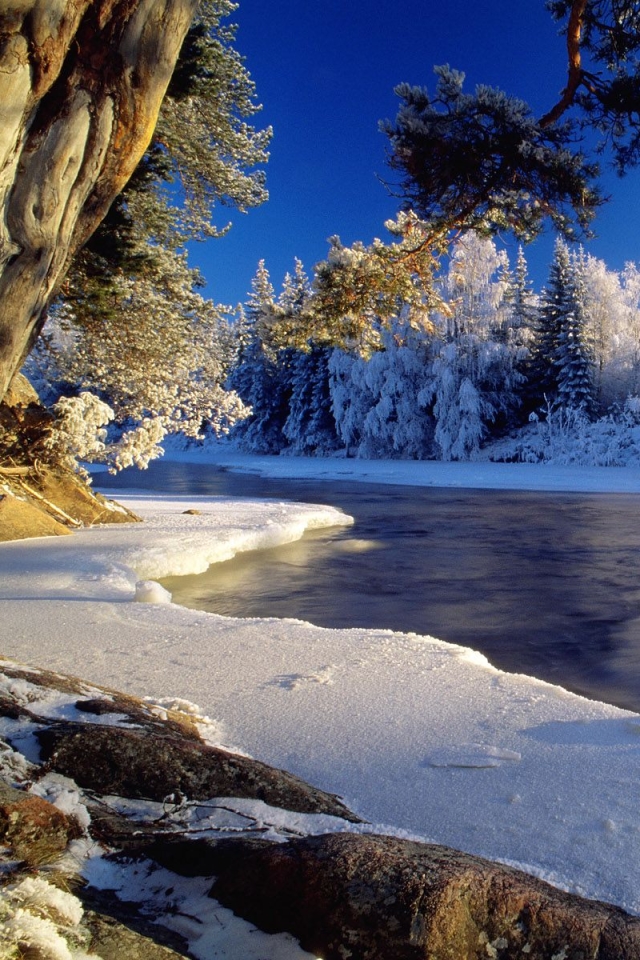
545	584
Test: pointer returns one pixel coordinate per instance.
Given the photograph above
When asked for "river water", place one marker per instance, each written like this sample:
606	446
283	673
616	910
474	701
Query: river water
542	583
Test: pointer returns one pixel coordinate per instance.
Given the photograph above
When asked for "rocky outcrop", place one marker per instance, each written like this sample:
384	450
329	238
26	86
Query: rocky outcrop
344	894
152	754
129	763
38	499
21	518
34	830
371	896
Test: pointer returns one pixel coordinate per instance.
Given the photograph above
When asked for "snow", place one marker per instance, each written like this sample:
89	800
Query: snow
477	475
422	738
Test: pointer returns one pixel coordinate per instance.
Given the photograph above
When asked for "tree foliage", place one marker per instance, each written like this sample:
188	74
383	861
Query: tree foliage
358	288
130	323
483	161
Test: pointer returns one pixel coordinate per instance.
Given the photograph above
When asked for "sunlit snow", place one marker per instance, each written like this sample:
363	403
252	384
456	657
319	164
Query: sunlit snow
420	737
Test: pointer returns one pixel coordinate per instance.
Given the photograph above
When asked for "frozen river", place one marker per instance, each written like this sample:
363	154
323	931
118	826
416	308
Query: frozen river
545	584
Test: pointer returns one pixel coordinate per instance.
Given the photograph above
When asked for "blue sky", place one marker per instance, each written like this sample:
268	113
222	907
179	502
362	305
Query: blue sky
325	72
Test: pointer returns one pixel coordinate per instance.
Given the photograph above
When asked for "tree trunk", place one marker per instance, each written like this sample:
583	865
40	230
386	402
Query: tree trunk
81	83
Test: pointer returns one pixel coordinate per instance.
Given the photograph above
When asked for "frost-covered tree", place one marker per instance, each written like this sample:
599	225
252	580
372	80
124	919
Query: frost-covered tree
607	331
626	367
573	357
521	303
310	427
169	365
263	373
473	380
472	385
475	288
397	425
351	398
555	306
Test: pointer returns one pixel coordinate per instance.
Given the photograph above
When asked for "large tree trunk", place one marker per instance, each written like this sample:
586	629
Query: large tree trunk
81	83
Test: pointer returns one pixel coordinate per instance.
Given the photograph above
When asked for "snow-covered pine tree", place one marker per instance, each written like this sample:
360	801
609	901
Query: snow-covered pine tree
257	377
310	427
473	380
351	398
573	356
396	426
521	303
555	304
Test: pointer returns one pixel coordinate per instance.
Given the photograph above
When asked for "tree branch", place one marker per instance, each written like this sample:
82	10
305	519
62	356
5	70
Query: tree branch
575	74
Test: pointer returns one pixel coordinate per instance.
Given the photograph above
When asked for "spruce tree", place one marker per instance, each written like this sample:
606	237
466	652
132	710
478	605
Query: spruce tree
573	358
555	305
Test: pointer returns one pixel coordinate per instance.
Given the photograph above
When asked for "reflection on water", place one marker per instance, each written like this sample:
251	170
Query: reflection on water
543	584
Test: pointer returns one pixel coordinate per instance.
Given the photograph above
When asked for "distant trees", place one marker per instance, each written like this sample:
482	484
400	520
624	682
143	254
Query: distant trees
467	363
474	378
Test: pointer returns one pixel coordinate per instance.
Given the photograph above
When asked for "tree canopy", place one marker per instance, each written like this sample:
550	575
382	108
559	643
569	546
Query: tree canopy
483	161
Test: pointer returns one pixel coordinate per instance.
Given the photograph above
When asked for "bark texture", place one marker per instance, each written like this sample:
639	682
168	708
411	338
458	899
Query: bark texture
81	83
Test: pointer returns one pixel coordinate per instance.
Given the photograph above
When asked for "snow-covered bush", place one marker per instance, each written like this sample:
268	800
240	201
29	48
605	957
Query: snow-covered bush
564	436
79	434
79	431
40	921
138	447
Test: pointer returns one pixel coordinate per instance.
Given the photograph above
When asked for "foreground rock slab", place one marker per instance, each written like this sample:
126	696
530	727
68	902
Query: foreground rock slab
349	897
130	763
141	769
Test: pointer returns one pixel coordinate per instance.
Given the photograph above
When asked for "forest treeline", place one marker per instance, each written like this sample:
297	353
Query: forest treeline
493	357
475	358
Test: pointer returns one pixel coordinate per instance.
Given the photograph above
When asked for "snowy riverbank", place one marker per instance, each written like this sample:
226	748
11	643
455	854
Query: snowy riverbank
478	475
419	736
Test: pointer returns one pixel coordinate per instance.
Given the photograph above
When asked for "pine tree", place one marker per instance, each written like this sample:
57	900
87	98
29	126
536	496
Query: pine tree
555	305
310	427
264	374
522	304
255	375
573	358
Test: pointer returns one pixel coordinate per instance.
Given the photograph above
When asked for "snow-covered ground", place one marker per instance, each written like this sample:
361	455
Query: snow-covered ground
476	475
419	736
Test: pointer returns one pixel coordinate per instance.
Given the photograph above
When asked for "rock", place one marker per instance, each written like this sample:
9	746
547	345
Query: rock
56	497
20	519
34	830
371	897
130	763
118	932
20	393
344	896
111	940
165	753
